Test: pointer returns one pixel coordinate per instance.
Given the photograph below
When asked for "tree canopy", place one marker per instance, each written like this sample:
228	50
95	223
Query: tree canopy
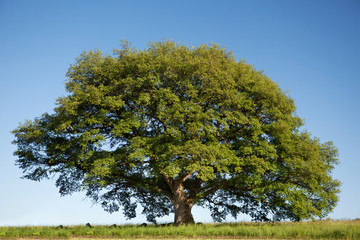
170	127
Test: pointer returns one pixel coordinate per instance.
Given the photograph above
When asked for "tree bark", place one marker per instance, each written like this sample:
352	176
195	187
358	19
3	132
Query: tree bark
182	207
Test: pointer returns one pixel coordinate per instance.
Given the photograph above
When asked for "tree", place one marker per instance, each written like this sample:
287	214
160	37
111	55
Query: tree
169	127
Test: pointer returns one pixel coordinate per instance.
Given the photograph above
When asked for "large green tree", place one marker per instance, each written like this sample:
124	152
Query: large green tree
169	127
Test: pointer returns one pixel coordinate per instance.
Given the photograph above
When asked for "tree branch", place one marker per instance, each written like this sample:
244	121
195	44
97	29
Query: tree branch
186	176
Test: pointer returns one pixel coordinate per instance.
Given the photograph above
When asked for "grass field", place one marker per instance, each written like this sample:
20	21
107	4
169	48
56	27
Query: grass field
243	230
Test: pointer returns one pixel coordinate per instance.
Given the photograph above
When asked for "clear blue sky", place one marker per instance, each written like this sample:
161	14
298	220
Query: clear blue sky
311	48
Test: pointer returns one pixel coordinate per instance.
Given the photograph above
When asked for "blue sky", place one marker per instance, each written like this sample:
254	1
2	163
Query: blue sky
311	48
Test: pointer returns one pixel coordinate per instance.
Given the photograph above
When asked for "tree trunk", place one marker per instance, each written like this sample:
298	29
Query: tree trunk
182	207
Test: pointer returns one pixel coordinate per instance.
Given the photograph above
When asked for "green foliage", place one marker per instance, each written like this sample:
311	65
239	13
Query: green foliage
141	125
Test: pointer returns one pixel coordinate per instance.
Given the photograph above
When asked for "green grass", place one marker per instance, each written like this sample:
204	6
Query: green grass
245	230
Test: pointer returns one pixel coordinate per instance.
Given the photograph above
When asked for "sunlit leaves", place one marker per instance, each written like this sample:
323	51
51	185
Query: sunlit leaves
137	122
